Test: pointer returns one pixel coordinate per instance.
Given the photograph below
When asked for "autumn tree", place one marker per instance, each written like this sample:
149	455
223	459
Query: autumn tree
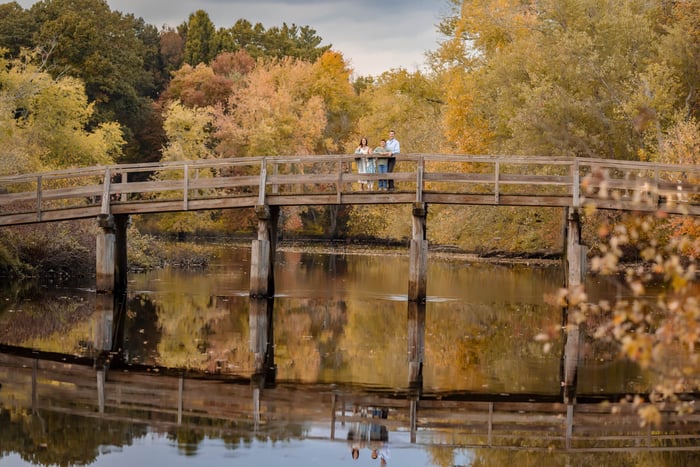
331	82
412	105
275	113
198	86
44	122
409	103
679	51
554	78
172	50
567	78
272	109
188	132
233	65
115	55
655	323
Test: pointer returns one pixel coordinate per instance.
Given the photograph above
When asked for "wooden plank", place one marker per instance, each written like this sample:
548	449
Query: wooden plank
488	199
447	177
632	165
224	182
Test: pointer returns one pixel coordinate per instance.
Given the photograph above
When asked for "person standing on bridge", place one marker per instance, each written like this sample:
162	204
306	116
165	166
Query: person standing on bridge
365	165
383	156
393	146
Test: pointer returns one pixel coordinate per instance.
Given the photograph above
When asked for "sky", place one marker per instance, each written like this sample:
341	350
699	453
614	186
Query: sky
373	35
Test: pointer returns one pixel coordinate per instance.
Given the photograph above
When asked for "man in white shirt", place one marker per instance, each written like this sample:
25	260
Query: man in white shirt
393	146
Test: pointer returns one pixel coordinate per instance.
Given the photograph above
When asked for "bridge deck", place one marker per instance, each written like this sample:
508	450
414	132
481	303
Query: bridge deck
333	180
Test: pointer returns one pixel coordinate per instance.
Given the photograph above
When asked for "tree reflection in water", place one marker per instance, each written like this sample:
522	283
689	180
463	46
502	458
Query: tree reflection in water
460	377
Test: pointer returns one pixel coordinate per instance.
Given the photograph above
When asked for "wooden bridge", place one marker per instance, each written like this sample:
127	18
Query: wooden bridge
266	184
330	180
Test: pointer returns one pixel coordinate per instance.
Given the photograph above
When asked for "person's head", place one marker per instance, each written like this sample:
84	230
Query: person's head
382	142
355	453
363	141
391	134
374	454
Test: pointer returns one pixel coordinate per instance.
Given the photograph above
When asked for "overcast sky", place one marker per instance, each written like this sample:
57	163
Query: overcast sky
373	35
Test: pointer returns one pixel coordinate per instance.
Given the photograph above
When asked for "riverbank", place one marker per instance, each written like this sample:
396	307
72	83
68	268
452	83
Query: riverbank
445	252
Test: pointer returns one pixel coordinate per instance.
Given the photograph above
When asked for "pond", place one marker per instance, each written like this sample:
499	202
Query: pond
190	371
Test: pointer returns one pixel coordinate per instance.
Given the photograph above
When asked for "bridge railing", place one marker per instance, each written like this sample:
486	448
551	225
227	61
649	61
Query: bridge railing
621	183
217	403
333	179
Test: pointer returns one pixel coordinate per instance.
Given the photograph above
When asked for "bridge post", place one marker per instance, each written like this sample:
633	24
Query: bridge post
110	282
262	256
121	222
575	268
105	255
575	252
418	260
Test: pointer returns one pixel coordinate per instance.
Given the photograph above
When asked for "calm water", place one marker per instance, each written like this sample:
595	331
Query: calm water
186	385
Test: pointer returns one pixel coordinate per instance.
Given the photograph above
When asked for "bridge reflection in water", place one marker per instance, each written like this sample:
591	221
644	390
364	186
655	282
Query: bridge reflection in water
103	389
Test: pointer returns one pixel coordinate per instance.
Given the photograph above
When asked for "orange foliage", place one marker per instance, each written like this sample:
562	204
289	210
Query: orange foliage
199	86
231	64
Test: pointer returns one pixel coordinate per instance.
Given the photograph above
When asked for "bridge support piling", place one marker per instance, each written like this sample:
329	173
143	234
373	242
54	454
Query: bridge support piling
121	223
103	326
575	252
260	320
416	352
416	345
262	256
110	254
418	260
110	283
105	255
575	268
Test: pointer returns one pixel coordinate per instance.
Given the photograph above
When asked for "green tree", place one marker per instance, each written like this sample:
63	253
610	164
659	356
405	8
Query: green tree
293	41
112	53
16	28
200	35
275	42
248	37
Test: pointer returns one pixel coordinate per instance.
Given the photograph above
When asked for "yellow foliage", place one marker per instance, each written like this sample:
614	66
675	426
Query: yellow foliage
275	113
409	103
43	122
187	129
